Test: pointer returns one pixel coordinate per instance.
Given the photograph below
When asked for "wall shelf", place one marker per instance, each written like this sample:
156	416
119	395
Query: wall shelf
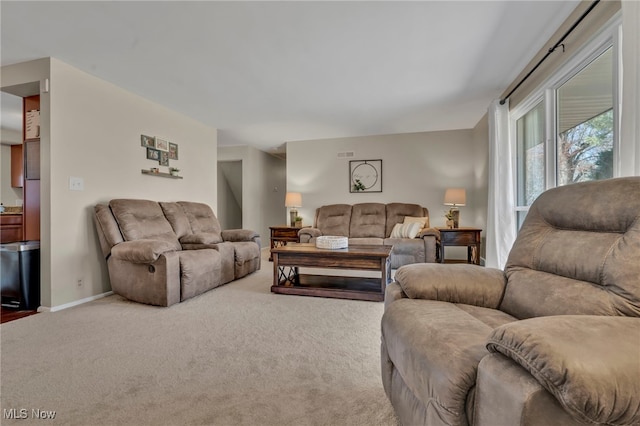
160	174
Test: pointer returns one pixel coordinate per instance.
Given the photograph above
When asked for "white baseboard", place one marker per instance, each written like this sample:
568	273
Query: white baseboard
75	303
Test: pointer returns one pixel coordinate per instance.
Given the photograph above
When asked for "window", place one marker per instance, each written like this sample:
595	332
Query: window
566	131
585	123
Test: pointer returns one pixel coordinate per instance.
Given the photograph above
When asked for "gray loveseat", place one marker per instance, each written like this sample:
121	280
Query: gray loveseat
164	253
372	223
554	339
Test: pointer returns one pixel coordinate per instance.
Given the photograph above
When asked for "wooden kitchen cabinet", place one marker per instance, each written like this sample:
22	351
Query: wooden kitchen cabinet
31	191
17	166
10	228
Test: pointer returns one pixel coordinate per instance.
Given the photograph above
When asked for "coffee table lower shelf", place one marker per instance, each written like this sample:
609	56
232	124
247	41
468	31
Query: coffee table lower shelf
354	288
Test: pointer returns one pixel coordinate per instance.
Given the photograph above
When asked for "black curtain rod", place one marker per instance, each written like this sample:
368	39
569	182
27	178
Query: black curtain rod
551	50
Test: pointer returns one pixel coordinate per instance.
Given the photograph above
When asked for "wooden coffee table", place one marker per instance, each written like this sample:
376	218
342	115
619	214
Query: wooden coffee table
287	279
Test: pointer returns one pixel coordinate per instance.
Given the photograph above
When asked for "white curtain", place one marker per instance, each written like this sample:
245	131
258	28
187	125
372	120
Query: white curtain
501	224
630	125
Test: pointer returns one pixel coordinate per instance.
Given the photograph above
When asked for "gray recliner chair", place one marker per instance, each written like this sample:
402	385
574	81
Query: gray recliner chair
554	339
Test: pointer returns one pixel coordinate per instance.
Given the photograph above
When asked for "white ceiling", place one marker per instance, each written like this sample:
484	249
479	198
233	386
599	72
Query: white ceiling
265	73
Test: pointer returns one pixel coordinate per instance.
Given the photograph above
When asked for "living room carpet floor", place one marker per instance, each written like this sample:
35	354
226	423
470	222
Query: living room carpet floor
236	355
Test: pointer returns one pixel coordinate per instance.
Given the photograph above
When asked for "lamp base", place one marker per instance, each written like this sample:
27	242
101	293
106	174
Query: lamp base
456	217
292	216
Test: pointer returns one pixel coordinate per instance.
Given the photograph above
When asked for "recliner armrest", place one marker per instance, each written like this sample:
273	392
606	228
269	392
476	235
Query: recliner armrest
425	232
464	283
239	235
204	238
590	363
141	251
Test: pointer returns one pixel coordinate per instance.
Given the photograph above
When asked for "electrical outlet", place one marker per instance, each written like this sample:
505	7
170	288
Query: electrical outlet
80	282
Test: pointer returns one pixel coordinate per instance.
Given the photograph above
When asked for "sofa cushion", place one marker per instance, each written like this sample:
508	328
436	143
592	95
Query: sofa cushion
205	238
334	219
365	241
367	220
143	220
396	212
406	230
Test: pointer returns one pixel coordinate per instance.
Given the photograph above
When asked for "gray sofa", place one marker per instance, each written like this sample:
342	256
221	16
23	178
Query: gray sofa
554	339
164	253
372	223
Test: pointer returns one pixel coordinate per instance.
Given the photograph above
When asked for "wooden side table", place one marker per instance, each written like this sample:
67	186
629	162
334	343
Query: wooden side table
281	235
469	237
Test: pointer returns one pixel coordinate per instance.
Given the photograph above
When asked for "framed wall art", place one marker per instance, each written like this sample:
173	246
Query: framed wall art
173	151
164	158
153	154
148	141
162	145
365	176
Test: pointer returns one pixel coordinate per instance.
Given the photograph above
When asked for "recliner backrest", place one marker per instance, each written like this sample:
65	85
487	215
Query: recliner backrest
367	220
143	220
201	218
396	212
578	252
334	219
109	233
177	217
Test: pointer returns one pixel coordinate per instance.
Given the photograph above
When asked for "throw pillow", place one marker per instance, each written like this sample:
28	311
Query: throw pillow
424	221
405	230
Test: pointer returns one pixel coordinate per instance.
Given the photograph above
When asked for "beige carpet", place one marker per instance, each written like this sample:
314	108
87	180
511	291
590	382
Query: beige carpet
237	355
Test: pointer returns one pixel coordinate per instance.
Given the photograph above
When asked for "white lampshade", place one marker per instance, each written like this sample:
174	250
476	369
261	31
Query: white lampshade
293	199
455	197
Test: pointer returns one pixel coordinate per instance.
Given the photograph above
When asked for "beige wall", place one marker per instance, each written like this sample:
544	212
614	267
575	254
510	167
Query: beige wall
416	168
95	134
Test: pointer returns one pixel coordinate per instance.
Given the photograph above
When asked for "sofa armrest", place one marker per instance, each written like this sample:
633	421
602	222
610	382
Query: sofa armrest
591	364
429	232
463	283
141	251
234	235
305	234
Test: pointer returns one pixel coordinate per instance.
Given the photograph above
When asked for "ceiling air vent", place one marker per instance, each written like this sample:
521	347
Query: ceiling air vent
346	154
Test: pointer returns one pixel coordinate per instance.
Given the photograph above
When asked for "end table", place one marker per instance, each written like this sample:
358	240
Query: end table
281	235
469	237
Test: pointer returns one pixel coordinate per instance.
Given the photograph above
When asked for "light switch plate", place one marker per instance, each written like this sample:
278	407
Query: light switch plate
76	183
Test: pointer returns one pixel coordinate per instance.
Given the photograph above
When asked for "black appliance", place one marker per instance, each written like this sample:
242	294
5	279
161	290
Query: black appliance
20	274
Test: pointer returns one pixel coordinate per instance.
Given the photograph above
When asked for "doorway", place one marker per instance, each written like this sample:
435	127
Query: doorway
230	194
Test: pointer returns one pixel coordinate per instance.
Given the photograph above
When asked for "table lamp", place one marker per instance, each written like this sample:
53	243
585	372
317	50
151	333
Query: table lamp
293	200
455	197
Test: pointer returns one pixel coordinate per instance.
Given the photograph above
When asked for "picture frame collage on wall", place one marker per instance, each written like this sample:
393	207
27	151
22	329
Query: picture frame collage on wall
158	149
